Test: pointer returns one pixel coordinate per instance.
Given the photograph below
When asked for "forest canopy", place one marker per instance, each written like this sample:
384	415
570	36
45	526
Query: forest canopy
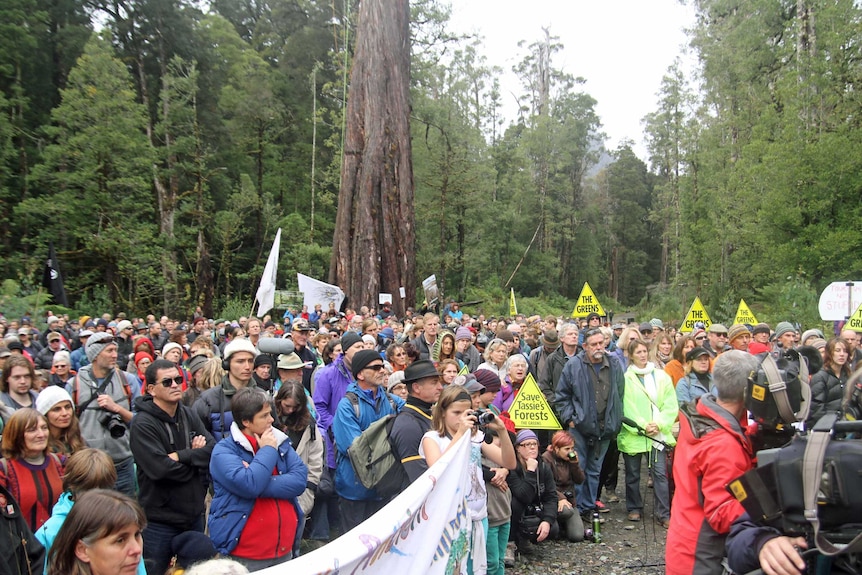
159	144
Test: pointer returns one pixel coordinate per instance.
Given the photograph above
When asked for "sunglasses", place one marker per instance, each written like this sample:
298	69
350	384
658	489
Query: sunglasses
700	338
376	367
169	382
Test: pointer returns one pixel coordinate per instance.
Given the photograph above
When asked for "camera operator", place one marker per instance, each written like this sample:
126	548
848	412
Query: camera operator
103	403
712	450
751	546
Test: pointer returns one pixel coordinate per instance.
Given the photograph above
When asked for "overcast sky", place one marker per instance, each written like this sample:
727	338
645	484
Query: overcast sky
621	47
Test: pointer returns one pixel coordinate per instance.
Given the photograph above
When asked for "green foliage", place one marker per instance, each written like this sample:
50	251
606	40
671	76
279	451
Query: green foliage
236	307
16	301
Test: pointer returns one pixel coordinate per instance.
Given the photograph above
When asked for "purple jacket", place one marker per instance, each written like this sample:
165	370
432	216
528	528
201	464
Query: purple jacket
506	396
330	386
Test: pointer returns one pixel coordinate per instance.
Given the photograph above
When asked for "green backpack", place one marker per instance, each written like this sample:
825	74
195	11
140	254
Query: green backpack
375	464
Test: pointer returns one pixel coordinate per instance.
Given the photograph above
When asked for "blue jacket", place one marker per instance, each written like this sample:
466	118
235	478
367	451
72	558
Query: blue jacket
241	476
690	388
575	398
330	387
48	532
346	428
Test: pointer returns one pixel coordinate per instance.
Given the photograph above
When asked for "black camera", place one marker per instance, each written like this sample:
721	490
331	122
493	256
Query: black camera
113	423
569	494
484	417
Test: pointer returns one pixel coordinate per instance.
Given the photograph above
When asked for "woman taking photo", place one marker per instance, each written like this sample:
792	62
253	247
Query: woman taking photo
101	536
28	469
562	457
55	404
827	385
697	380
452	419
534	495
675	368
650	402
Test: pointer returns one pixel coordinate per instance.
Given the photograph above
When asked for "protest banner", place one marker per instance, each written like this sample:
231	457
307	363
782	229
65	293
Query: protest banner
424	530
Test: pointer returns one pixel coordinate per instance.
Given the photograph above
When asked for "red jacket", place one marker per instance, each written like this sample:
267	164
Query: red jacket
712	450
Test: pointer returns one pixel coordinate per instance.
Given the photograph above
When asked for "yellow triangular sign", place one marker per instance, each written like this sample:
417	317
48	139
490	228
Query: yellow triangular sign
513	307
464	370
587	303
530	409
697	313
855	320
744	315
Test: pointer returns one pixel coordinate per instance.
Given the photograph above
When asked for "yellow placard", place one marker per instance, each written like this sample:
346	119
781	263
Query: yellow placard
513	307
697	313
587	303
855	320
464	370
530	409
744	315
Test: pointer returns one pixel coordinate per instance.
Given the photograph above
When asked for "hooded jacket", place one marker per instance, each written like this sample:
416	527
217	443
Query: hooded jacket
95	434
240	476
712	450
213	407
330	387
639	407
171	492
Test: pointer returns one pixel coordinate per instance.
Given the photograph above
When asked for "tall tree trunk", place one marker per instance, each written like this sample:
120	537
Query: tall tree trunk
374	242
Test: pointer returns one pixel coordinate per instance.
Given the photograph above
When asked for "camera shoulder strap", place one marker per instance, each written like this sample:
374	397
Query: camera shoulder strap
812	472
778	388
101	389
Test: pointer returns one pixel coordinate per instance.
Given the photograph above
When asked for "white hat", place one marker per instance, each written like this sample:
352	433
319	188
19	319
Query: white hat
171	345
239	344
51	396
125	324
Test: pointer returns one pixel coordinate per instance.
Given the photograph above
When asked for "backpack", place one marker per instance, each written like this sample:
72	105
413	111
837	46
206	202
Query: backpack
371	455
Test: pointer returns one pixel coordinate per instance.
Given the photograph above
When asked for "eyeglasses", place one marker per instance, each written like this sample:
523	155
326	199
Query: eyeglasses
700	338
169	382
60	365
376	367
529	444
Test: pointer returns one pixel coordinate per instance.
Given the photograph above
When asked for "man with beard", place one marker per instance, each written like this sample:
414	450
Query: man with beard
589	401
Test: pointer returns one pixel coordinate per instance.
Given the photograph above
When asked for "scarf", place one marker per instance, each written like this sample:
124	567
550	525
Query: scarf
645	374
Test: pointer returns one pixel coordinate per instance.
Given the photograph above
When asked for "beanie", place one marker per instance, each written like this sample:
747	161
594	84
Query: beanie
782	328
736	330
525	435
489	379
98	342
51	396
349	339
62	356
237	345
761	328
171	345
810	333
463	333
200	360
141	355
363	359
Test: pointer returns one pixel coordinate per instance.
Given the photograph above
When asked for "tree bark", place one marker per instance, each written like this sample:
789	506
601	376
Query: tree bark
374	242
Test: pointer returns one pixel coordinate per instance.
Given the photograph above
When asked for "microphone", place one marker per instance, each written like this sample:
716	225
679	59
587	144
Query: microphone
275	345
631	423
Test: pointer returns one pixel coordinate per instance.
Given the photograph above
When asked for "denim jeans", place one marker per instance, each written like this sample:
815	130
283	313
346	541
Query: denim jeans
658	463
157	544
126	481
591	453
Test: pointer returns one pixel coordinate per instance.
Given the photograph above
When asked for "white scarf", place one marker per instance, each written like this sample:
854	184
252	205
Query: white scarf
651	389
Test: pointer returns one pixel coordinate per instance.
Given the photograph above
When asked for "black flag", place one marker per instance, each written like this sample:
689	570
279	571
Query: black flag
52	280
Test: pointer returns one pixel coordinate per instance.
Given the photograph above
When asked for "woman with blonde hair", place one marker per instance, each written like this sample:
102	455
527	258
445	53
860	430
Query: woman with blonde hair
448	370
496	354
210	375
661	350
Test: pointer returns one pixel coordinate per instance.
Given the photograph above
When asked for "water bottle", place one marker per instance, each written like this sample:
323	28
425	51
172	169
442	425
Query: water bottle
597	528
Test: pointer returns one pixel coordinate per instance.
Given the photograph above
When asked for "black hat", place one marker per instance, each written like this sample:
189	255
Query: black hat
349	339
762	328
259	361
192	547
696	353
363	359
593	315
420	370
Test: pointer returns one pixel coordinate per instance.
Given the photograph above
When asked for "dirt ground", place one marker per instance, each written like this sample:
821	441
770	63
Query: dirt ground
626	547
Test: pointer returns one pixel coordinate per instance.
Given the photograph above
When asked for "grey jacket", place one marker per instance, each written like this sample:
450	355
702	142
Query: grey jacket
95	434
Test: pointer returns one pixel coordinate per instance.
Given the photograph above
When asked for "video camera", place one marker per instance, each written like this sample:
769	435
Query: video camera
811	487
777	396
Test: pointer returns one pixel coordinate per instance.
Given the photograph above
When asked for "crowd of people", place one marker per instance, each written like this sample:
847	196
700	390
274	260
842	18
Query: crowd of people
189	442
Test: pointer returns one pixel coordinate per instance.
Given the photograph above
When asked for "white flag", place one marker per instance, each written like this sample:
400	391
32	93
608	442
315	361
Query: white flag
266	291
317	292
